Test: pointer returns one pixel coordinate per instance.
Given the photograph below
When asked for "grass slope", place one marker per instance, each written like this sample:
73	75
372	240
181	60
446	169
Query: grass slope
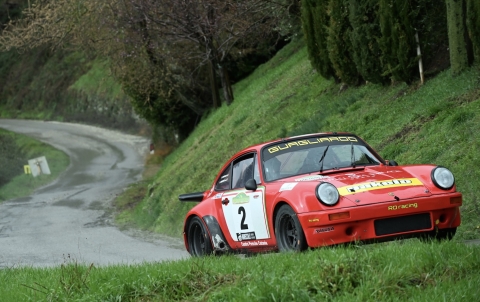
436	123
398	271
24	184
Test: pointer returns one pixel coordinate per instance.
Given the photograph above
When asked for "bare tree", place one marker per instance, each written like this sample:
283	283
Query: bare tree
169	55
211	31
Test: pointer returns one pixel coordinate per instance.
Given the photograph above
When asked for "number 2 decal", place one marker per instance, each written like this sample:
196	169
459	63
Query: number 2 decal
243	226
245	214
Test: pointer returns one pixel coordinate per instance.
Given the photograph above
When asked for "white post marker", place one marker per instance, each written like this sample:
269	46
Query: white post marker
39	166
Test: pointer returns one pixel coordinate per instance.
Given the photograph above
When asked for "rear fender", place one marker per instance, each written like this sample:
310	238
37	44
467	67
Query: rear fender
219	242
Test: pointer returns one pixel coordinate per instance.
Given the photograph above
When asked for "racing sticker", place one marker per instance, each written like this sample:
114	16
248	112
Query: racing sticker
311	141
253	243
245	215
376	185
324	230
313	177
246	236
287	186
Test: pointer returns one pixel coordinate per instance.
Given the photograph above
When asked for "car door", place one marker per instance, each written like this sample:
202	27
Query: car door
244	210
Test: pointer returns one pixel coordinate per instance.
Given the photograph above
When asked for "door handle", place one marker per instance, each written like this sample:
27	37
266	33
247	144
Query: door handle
225	201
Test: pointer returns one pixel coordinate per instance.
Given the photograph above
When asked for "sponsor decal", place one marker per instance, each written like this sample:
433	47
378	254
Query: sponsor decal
376	185
287	186
254	243
324	230
240	198
314	220
246	236
219	195
313	177
364	175
403	206
311	141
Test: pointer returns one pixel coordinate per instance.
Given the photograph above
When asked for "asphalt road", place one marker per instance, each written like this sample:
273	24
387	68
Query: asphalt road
71	219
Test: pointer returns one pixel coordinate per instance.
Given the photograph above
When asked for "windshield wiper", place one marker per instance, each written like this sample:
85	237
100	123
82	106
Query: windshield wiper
322	158
353	156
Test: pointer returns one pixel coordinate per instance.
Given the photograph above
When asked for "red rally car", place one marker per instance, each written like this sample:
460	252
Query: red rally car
317	190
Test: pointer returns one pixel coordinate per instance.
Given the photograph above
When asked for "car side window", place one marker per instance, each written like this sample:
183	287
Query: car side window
223	182
243	169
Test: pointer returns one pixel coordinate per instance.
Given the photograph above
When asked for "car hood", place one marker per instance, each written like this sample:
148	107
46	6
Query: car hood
373	185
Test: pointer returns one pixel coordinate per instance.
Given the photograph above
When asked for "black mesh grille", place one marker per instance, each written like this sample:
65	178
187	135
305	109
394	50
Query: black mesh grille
402	224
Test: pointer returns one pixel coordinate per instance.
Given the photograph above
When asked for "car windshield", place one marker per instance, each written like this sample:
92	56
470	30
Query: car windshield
315	154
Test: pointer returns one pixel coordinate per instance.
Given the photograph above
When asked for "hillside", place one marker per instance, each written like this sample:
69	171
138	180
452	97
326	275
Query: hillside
432	123
64	85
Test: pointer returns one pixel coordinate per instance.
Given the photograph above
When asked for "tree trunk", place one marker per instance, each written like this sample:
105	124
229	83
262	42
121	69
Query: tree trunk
213	85
227	87
457	36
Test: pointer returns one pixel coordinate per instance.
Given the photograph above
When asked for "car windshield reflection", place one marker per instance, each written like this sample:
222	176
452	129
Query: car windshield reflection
314	155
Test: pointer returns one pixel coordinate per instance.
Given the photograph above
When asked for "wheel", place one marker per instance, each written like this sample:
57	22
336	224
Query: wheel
288	231
199	243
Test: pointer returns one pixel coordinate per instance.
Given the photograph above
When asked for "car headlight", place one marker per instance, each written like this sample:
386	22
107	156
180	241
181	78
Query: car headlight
327	194
443	178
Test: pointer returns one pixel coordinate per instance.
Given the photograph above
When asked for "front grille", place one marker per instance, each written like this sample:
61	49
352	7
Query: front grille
402	224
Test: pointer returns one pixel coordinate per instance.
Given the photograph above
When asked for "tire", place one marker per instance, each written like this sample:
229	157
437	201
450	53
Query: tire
288	231
199	243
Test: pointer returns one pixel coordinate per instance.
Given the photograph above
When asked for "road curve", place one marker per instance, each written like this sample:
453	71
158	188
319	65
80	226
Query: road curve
70	219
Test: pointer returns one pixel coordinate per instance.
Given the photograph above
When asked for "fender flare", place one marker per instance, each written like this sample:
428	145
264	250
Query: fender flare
219	242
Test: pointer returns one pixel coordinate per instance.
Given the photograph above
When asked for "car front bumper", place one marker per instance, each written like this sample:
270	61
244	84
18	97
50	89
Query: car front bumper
382	221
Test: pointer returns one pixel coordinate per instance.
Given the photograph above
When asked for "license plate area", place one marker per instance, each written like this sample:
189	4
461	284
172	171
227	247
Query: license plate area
402	224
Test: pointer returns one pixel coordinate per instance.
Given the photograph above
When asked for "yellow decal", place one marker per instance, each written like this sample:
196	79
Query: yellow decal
376	185
311	141
403	206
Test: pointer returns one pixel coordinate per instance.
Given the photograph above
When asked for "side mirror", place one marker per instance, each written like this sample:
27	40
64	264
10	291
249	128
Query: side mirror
392	163
251	184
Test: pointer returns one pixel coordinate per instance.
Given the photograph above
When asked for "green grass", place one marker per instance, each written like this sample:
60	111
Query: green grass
23	185
399	271
434	123
97	82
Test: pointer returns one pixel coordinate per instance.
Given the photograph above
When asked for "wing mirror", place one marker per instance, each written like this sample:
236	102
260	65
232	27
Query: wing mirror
392	163
251	184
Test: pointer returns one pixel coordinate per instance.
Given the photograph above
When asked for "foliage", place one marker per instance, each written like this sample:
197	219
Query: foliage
15	153
365	36
315	21
399	271
168	56
12	159
10	10
339	45
397	42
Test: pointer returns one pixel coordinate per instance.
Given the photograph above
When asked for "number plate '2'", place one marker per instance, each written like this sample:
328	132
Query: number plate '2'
245	213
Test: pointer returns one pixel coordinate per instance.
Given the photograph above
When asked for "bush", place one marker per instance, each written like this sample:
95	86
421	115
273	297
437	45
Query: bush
12	159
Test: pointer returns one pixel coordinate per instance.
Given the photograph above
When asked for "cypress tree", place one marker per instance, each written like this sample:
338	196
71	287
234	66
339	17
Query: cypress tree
314	23
473	26
339	44
398	43
363	16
